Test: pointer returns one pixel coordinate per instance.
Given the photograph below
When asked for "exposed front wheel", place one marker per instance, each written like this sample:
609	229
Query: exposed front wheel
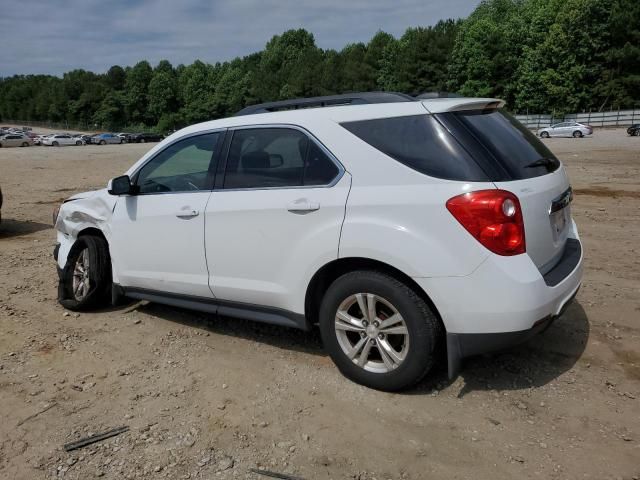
378	331
55	144
577	134
86	279
102	142
78	143
25	144
142	140
544	134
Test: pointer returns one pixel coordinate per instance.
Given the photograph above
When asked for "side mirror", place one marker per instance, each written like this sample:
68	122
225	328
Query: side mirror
120	185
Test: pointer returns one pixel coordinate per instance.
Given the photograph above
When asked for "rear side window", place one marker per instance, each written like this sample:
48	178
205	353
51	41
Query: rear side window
421	143
505	148
276	157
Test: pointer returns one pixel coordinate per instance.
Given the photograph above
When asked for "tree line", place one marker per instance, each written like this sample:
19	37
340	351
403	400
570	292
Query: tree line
538	55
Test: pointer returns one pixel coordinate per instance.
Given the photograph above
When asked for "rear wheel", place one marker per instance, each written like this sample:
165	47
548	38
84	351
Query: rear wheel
55	144
142	140
25	144
86	279
544	134
102	142
78	143
378	331
577	134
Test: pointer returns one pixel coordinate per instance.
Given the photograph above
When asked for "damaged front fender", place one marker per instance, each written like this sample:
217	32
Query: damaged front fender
80	212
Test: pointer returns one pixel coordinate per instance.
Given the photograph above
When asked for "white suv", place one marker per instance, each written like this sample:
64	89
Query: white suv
396	225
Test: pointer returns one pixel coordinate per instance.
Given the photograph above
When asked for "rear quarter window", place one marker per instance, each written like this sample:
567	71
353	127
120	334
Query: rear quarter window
420	142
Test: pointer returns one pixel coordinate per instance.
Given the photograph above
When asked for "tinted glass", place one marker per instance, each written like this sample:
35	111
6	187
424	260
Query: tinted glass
266	157
419	142
508	143
182	167
319	168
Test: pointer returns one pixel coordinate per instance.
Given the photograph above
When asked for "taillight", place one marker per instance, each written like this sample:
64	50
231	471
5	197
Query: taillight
493	217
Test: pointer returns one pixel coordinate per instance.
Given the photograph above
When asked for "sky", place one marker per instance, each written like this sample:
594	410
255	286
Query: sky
55	36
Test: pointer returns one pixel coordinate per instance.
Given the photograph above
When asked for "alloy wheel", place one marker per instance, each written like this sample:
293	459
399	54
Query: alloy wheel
81	282
371	332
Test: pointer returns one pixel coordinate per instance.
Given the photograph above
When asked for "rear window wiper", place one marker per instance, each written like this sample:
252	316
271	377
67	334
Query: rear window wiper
549	163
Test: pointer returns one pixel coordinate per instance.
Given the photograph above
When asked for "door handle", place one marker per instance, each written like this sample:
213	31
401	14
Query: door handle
187	212
303	205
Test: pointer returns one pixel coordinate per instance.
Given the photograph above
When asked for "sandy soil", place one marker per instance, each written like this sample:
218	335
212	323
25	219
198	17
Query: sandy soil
212	398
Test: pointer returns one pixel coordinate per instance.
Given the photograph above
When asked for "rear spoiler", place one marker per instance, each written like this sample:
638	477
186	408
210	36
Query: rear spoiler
440	105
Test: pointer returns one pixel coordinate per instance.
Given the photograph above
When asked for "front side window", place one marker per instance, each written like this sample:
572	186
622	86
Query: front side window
276	157
184	166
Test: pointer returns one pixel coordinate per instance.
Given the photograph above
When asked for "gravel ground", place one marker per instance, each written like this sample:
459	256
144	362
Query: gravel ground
211	398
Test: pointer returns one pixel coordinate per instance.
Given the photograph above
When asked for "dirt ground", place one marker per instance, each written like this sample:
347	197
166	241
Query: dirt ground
211	398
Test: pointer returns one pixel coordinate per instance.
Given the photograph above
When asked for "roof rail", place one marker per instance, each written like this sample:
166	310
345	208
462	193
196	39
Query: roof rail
361	98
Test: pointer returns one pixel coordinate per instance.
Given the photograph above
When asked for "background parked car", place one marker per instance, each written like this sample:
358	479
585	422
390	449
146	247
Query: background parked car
566	129
0	205
60	139
105	138
124	136
634	130
15	140
39	138
145	137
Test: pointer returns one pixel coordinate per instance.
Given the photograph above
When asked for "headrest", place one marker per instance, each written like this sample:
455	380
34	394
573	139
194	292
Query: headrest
257	159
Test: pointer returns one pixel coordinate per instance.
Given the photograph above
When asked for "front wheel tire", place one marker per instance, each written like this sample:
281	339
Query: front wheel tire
86	279
577	134
378	331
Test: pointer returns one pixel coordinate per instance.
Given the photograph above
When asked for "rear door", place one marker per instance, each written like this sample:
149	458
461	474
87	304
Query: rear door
274	217
516	161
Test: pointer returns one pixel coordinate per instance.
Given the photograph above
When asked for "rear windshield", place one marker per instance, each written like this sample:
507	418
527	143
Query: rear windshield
502	146
420	142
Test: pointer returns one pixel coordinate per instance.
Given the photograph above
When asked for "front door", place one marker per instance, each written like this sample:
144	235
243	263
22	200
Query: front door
276	217
157	238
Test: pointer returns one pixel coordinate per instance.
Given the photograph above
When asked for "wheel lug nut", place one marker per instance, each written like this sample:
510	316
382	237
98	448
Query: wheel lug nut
376	324
365	323
372	340
362	334
381	336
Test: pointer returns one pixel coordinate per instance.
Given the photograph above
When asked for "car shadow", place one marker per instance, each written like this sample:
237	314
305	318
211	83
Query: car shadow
532	364
15	228
280	337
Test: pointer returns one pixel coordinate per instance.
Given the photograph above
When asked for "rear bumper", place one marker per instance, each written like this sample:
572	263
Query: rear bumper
462	345
505	301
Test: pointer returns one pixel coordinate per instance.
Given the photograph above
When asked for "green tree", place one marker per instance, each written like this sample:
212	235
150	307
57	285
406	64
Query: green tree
163	92
417	62
136	92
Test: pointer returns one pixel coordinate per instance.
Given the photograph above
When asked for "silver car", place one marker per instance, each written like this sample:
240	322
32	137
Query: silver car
15	140
566	129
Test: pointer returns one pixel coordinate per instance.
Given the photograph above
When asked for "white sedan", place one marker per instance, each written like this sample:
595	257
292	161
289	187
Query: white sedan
566	129
59	140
